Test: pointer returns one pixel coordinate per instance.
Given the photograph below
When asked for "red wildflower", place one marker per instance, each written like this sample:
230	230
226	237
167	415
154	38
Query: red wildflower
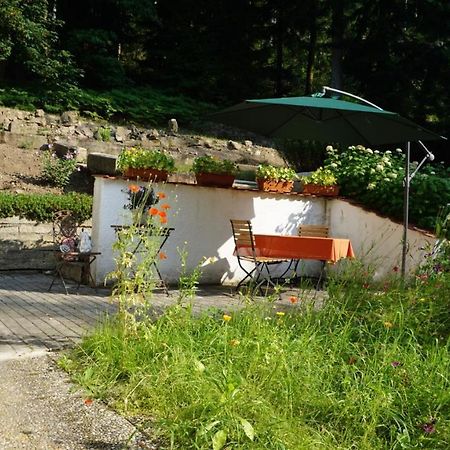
162	255
163	219
88	401
162	214
161	195
134	188
165	206
293	299
153	211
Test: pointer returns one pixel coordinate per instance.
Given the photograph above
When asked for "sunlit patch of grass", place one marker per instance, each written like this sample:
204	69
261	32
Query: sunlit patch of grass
369	370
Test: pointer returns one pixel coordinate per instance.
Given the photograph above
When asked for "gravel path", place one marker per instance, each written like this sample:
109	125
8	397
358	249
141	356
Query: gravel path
41	410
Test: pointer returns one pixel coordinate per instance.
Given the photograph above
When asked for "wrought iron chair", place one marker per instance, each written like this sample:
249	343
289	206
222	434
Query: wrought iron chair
246	251
314	231
65	239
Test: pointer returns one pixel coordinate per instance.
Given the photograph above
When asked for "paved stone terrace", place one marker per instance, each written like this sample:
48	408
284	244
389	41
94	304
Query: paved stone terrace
34	321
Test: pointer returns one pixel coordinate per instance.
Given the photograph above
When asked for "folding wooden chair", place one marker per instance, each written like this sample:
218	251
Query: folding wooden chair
314	231
245	250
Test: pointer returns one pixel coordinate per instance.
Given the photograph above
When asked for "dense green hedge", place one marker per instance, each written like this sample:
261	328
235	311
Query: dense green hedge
138	105
376	179
41	207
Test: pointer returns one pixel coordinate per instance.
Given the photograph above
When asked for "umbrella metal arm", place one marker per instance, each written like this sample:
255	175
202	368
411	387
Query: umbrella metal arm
338	91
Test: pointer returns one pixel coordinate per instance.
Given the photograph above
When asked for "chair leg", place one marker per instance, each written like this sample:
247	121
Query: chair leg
58	274
320	275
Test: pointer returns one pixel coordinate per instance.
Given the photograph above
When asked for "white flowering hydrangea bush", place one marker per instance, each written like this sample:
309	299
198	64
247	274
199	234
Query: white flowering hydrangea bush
376	179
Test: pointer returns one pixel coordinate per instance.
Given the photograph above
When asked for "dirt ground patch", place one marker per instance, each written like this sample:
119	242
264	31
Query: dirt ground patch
21	168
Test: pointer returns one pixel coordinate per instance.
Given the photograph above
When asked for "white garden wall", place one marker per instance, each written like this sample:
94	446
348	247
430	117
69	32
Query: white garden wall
201	218
377	241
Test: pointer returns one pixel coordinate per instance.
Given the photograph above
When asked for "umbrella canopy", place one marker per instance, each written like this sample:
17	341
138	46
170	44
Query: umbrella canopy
322	119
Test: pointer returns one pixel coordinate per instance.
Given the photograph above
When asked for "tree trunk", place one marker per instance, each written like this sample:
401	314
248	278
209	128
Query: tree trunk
311	51
337	35
279	53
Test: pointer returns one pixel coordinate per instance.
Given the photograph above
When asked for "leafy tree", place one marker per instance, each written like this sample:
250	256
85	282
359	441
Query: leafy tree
107	37
29	44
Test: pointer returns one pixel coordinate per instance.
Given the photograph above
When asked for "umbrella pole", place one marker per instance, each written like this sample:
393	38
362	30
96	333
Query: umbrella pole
406	183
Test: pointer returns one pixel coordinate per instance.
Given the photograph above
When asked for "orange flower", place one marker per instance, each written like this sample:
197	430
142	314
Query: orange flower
161	195
134	188
165	206
162	214
153	211
162	255
88	401
163	219
293	299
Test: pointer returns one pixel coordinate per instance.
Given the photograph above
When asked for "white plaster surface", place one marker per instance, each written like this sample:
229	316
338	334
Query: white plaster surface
377	241
201	218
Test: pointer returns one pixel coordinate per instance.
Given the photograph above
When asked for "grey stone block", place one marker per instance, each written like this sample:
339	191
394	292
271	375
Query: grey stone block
100	163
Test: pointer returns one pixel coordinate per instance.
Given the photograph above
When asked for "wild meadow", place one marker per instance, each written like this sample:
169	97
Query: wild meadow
368	369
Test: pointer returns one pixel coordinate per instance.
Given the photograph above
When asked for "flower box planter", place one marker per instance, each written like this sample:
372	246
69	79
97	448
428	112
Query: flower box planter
146	174
215	179
275	185
317	189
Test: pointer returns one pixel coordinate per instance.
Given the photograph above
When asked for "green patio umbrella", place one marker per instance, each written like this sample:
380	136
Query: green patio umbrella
329	120
322	119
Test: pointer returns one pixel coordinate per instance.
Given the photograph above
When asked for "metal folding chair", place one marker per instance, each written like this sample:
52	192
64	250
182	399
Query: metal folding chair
246	251
161	232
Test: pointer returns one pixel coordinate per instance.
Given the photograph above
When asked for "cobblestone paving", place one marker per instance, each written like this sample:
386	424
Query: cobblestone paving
34	321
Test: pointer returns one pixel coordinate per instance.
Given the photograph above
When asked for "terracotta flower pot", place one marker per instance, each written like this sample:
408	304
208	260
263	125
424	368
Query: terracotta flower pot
275	185
215	179
146	174
317	189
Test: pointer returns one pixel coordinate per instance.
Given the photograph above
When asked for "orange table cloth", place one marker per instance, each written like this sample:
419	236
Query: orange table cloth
302	247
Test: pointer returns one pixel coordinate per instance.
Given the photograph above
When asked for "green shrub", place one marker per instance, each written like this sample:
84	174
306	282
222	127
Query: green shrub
40	208
268	172
104	134
376	179
57	171
321	176
139	105
140	157
208	164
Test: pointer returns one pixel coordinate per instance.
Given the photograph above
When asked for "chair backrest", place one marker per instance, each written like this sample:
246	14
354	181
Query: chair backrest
243	235
313	230
64	225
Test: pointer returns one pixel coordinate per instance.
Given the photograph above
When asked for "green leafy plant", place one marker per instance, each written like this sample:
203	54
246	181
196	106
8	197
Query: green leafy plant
141	158
321	176
375	179
58	170
208	164
104	134
269	172
41	207
188	281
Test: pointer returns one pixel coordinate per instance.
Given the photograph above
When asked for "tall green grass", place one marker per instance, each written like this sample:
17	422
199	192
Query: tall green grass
369	370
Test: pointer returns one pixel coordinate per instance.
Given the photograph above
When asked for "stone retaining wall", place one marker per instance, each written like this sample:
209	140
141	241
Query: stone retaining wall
26	245
23	245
